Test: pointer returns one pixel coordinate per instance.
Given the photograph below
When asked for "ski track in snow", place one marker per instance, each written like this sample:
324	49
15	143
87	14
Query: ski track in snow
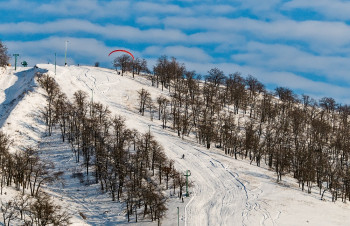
218	193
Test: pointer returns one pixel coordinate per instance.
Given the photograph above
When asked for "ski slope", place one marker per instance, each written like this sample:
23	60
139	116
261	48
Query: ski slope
225	191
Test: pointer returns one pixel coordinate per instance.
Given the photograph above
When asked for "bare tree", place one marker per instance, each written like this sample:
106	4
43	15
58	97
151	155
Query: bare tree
8	211
145	100
215	76
124	62
43	211
4	58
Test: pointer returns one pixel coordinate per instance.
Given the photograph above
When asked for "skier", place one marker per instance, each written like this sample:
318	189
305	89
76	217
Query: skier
183	156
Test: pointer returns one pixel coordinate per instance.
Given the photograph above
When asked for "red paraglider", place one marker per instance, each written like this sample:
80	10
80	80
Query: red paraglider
122	50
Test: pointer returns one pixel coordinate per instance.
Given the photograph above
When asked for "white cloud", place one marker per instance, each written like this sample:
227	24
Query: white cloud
289	58
90	8
182	53
317	32
217	9
17	4
156	8
321	36
128	33
211	37
148	20
333	9
254	5
264	10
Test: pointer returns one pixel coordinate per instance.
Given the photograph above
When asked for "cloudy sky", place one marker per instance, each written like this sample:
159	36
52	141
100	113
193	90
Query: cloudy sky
300	44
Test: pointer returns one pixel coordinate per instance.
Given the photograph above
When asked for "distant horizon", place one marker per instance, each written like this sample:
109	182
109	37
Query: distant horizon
296	44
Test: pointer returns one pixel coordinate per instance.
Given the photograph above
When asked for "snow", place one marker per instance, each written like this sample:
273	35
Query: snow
20	100
225	191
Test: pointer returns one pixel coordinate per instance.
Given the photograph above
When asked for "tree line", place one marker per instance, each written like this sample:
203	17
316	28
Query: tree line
290	134
126	63
26	172
132	167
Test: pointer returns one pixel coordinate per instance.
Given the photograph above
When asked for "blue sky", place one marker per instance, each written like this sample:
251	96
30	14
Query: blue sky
303	45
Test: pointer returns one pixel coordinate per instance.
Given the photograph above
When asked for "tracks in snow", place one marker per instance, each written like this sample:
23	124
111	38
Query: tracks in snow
219	195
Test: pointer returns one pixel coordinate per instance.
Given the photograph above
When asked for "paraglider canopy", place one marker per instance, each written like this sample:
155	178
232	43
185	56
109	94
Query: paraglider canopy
122	50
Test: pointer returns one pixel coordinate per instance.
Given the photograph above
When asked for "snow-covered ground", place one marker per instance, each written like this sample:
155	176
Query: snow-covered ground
225	192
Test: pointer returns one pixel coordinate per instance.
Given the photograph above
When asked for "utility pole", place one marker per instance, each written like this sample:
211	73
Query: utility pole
188	173
178	216
65	54
16	55
55	63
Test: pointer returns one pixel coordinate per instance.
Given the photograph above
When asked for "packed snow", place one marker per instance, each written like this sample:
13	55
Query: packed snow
225	191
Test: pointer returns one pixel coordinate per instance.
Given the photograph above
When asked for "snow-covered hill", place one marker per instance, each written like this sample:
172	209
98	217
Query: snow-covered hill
225	191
